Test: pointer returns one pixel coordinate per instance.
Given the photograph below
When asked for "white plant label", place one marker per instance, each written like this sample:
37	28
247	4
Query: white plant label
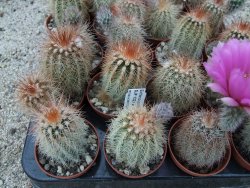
135	97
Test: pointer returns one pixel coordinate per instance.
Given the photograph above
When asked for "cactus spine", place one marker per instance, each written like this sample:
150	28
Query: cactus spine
199	141
126	66
179	82
244	136
136	137
68	59
70	11
162	19
61	134
125	28
216	10
238	30
190	34
34	90
233	4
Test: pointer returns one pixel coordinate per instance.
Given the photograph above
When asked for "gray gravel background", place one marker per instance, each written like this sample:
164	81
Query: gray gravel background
21	34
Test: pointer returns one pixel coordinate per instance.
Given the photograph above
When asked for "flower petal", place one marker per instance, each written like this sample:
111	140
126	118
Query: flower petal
217	88
229	101
245	102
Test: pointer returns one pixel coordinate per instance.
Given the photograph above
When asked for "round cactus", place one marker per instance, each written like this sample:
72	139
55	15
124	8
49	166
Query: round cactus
61	134
233	4
238	30
70	12
133	8
162	19
34	90
126	66
136	137
69	52
216	11
199	141
180	82
125	28
190	34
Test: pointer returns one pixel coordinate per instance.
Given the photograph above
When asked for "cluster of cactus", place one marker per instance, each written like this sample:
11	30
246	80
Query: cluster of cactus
190	34
68	55
162	18
233	4
238	30
231	118
136	137
70	12
125	28
244	136
133	8
33	91
61	134
180	82
216	10
126	66
199	141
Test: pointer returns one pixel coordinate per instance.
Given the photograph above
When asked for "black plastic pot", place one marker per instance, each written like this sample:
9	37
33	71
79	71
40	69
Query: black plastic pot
101	176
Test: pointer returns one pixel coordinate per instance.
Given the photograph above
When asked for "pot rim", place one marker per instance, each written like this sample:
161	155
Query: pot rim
223	164
78	174
128	176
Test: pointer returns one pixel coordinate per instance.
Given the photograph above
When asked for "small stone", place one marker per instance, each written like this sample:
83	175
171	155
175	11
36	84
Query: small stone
98	103
113	162
46	167
144	170
51	163
67	173
42	161
158	49
78	170
59	169
126	171
104	109
88	159
82	168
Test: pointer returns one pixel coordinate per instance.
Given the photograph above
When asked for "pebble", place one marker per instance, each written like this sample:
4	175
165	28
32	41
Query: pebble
67	173
126	171
98	103
59	169
51	163
42	161
82	168
144	170
88	159
104	109
46	167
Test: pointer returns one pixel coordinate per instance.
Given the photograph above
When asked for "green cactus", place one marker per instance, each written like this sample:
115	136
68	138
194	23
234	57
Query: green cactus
216	11
68	59
34	90
104	18
233	4
180	82
237	30
162	19
70	11
190	34
61	134
126	66
199	141
125	28
244	137
99	3
231	118
136	137
133	8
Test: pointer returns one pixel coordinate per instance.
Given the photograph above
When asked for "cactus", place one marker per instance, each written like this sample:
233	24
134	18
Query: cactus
70	12
126	66
61	134
233	4
136	137
190	34
133	8
238	30
231	118
180	82
244	137
216	10
211	98
68	59
125	28
163	111
199	141
99	3
162	19
189	3
34	90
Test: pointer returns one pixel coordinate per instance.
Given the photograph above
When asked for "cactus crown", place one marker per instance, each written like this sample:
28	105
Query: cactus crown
239	30
33	91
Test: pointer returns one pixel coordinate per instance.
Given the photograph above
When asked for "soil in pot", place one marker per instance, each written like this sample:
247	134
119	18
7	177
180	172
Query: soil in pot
73	170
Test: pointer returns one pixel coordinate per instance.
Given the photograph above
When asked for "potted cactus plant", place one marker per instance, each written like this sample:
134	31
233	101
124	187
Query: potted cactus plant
198	146
126	66
135	143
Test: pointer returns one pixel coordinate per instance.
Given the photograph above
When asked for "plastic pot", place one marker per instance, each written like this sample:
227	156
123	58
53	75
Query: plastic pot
222	165
128	176
75	175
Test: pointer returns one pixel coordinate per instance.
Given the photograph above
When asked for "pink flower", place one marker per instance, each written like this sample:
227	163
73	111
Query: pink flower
229	68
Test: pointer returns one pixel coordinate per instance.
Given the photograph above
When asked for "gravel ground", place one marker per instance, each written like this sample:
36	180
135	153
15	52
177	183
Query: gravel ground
21	33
